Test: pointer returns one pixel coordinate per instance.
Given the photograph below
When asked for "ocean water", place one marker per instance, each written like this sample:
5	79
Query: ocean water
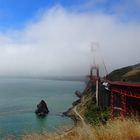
18	100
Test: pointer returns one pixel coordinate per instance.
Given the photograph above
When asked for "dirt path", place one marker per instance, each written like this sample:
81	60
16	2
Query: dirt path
82	124
85	126
81	118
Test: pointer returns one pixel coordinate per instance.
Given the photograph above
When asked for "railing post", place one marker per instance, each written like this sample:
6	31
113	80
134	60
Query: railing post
112	105
123	105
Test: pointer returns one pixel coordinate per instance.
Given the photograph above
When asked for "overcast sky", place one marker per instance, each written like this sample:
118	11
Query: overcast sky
54	37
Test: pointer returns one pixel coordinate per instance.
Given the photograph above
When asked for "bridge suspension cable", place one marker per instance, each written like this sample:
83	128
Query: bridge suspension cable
95	49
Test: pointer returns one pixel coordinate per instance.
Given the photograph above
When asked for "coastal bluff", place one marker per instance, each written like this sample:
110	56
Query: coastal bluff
87	96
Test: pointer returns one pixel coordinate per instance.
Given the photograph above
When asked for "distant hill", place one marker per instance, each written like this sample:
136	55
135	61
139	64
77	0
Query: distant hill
128	74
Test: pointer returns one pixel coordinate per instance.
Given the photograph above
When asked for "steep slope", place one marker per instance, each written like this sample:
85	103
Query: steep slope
128	74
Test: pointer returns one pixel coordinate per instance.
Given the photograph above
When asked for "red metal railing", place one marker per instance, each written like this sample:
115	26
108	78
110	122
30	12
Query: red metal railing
124	89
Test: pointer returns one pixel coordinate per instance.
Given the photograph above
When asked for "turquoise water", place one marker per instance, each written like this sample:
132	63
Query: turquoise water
18	100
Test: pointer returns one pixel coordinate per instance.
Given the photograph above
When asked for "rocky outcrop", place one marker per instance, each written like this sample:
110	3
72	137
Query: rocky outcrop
42	109
78	94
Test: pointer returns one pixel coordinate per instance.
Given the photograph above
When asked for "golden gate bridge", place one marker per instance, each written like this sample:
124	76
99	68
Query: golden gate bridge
127	94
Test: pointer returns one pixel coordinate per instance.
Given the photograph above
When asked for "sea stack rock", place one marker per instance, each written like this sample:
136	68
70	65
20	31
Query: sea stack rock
42	109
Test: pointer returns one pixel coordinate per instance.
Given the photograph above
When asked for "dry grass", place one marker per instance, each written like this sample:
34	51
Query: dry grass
133	72
128	129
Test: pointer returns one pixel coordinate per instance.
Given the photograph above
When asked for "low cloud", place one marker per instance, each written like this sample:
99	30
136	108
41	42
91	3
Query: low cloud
58	43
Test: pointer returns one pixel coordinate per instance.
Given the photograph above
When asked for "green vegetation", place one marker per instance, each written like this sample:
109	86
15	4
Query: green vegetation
128	74
96	115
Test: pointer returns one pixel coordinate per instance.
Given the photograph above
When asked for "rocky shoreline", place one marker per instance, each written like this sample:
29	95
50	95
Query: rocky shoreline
70	112
81	104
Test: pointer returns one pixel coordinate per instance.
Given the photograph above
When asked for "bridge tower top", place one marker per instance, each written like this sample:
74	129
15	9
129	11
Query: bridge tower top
94	70
94	73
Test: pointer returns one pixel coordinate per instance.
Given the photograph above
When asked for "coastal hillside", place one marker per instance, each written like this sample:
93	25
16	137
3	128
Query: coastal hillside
128	74
93	122
84	112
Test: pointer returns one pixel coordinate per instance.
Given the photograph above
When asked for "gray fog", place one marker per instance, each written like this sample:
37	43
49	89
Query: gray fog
57	42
